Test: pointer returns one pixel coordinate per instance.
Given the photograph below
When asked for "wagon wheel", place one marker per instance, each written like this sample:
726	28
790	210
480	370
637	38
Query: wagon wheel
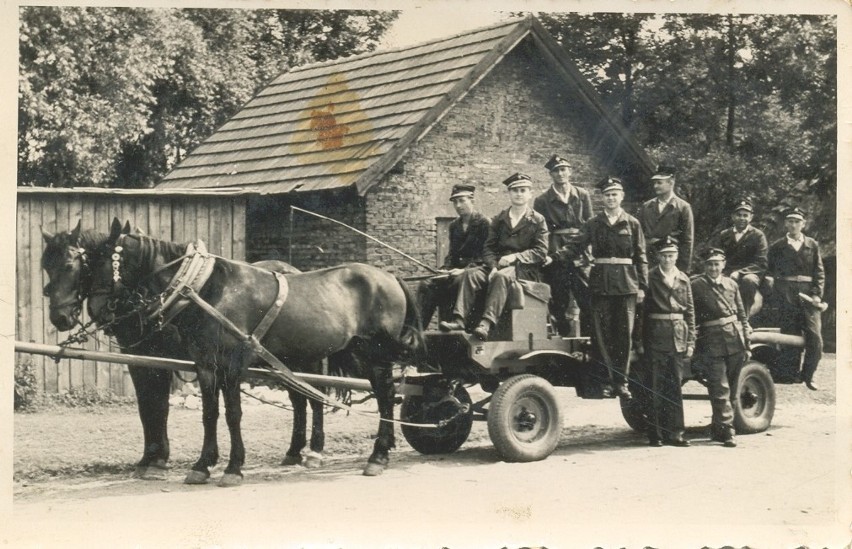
437	404
754	401
524	420
634	409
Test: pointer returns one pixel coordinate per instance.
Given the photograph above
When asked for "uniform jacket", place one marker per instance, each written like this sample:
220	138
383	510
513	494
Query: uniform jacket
528	239
786	261
676	221
719	340
748	256
467	247
669	335
622	239
560	215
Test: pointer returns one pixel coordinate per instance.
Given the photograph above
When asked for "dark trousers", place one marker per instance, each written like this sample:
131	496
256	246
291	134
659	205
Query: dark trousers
566	279
474	280
748	289
805	320
722	374
437	293
665	414
612	324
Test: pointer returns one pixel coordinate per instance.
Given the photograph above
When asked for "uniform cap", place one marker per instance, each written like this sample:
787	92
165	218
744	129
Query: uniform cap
666	244
555	162
795	213
609	183
744	204
462	190
714	254
663	172
517	180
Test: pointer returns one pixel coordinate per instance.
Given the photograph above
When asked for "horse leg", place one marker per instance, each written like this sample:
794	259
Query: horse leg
209	385
239	360
314	458
152	397
381	379
298	438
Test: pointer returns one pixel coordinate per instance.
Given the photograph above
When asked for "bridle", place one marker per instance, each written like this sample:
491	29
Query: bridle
81	291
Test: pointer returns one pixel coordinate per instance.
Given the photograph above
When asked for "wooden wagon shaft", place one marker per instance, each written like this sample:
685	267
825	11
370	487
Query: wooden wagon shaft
353	384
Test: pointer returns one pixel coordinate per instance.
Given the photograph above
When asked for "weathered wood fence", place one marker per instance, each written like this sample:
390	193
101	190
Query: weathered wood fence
217	218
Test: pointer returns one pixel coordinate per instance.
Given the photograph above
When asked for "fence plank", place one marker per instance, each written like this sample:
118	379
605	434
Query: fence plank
48	222
103	218
90	368
238	234
63	367
25	280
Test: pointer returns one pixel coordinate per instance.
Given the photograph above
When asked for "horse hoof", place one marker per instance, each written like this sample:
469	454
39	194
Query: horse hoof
151	473
291	460
229	479
373	470
196	477
313	461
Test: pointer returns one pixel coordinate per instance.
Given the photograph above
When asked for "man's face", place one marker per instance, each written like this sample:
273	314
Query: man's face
741	219
714	267
561	175
663	186
463	205
520	196
794	226
667	259
612	199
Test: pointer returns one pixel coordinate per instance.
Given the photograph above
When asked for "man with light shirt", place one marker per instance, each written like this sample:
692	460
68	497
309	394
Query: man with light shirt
515	250
668	215
795	268
745	250
566	207
723	340
617	281
669	321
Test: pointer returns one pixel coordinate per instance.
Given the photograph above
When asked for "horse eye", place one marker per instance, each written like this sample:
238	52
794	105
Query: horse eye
68	267
46	290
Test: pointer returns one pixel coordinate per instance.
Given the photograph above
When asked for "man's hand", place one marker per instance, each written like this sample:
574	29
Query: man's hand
547	261
735	275
640	296
507	260
491	275
455	272
689	351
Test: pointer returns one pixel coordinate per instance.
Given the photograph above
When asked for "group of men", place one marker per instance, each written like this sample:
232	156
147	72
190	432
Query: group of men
599	264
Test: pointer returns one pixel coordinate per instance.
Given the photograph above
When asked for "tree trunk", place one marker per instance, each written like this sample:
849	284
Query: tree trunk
731	95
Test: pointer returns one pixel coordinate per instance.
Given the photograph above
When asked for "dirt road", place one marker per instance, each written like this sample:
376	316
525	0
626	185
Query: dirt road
602	487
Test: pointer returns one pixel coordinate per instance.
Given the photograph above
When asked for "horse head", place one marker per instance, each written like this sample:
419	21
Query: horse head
66	263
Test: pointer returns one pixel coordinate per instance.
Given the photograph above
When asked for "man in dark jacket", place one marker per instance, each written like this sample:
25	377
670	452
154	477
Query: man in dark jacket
746	252
668	215
515	249
468	233
723	340
566	208
669	321
795	268
617	281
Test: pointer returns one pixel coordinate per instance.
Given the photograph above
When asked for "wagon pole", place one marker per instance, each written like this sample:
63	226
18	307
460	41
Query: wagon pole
374	239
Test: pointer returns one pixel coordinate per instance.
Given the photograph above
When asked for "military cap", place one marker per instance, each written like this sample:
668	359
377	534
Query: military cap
517	180
555	162
608	183
663	172
462	190
744	204
714	254
666	244
795	213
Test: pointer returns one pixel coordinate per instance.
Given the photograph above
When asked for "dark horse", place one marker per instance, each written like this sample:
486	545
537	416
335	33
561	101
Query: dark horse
352	310
67	260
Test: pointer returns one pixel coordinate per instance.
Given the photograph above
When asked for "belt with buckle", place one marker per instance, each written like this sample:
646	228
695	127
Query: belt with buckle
665	316
797	278
613	261
719	321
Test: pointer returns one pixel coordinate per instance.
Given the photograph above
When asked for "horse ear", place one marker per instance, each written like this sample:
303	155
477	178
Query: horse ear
126	229
46	235
115	229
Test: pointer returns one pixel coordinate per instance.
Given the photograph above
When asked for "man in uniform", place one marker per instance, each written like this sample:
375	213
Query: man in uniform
723	340
795	267
515	250
669	321
746	252
468	233
668	215
565	208
618	279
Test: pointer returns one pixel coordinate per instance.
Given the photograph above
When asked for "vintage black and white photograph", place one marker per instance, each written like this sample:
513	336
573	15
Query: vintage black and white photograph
427	274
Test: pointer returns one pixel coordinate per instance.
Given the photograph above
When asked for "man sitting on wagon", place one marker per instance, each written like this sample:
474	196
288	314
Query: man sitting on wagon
468	233
515	249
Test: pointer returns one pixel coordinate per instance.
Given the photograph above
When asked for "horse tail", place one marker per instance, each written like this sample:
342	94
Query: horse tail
412	329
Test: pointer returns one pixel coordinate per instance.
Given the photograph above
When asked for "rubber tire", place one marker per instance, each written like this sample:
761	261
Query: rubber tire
443	440
754	403
514	444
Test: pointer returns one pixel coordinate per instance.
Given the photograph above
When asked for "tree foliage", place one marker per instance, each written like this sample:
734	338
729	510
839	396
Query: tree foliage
740	104
114	97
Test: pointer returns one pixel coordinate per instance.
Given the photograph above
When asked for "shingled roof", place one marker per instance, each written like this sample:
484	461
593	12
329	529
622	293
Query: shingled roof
347	122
